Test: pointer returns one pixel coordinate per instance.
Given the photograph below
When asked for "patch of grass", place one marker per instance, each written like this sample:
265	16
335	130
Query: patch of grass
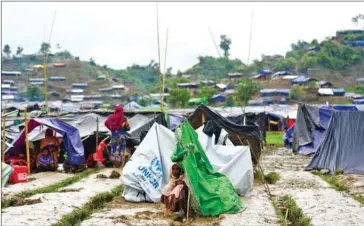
339	171
275	138
13	201
96	203
272	177
279	213
336	183
288	207
333	181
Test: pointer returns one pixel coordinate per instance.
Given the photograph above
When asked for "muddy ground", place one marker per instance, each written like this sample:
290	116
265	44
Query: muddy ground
313	195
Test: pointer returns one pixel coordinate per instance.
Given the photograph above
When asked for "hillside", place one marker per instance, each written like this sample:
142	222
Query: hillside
336	60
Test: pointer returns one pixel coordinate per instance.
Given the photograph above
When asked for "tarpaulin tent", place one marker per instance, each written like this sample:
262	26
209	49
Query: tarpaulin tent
342	144
146	173
174	121
132	106
157	148
248	134
251	118
311	124
212	192
71	138
281	73
228	159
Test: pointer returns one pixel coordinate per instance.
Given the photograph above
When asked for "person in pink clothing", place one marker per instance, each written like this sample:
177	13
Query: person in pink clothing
173	193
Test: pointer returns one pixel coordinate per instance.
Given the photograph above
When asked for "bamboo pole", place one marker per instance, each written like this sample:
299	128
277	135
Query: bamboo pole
164	74
188	205
26	140
159	60
3	120
45	65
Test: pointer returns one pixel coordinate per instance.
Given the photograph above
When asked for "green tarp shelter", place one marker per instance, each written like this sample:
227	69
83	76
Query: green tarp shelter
212	192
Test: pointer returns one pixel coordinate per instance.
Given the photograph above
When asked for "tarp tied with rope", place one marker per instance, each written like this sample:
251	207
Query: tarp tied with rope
212	192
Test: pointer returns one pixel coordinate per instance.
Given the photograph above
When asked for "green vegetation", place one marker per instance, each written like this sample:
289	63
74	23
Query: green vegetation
7	50
297	92
210	67
229	102
355	89
179	97
206	92
47	189
245	89
34	93
333	180
45	48
287	208
96	203
225	45
274	138
272	177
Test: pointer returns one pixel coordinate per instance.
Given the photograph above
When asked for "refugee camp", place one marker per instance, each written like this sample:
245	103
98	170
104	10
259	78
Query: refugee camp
134	113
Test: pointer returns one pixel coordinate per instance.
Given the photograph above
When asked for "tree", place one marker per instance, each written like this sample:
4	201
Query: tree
92	62
206	92
356	19
297	92
19	50
246	88
179	97
45	48
259	65
77	58
229	102
7	50
145	102
34	92
225	45
105	67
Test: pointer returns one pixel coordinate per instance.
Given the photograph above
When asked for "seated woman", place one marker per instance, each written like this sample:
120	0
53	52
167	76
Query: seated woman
45	161
173	194
51	142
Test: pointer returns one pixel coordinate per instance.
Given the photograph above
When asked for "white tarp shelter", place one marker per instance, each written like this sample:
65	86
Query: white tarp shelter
146	173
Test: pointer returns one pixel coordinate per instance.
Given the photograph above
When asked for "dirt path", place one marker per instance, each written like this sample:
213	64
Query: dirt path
259	211
37	180
318	201
55	205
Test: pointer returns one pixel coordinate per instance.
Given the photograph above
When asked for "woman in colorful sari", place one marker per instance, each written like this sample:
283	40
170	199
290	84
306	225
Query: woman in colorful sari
51	142
118	125
173	194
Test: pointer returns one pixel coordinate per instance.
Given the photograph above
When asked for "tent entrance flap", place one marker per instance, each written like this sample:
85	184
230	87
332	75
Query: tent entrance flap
212	191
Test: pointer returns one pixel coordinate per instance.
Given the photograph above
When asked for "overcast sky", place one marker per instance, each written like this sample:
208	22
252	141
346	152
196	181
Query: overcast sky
122	33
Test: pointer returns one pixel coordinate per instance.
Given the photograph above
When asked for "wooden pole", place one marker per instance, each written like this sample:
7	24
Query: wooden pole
3	147
188	205
26	139
97	132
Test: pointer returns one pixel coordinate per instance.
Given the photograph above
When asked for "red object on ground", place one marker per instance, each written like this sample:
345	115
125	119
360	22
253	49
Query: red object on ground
20	173
99	155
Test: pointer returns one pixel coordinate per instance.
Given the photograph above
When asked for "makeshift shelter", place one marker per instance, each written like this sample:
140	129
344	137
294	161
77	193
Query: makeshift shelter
239	134
281	73
212	192
132	106
71	139
174	121
302	80
311	124
342	144
218	98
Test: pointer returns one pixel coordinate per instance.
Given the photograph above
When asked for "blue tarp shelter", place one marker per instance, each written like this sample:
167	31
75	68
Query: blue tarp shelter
338	92
358	101
266	72
288	137
218	98
311	125
281	73
301	80
71	138
268	92
342	145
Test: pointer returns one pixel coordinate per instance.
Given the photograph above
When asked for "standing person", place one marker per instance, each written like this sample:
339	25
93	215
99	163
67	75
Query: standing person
118	125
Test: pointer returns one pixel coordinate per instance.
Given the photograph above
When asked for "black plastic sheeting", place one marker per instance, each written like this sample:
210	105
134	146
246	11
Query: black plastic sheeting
342	146
308	118
259	119
195	119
